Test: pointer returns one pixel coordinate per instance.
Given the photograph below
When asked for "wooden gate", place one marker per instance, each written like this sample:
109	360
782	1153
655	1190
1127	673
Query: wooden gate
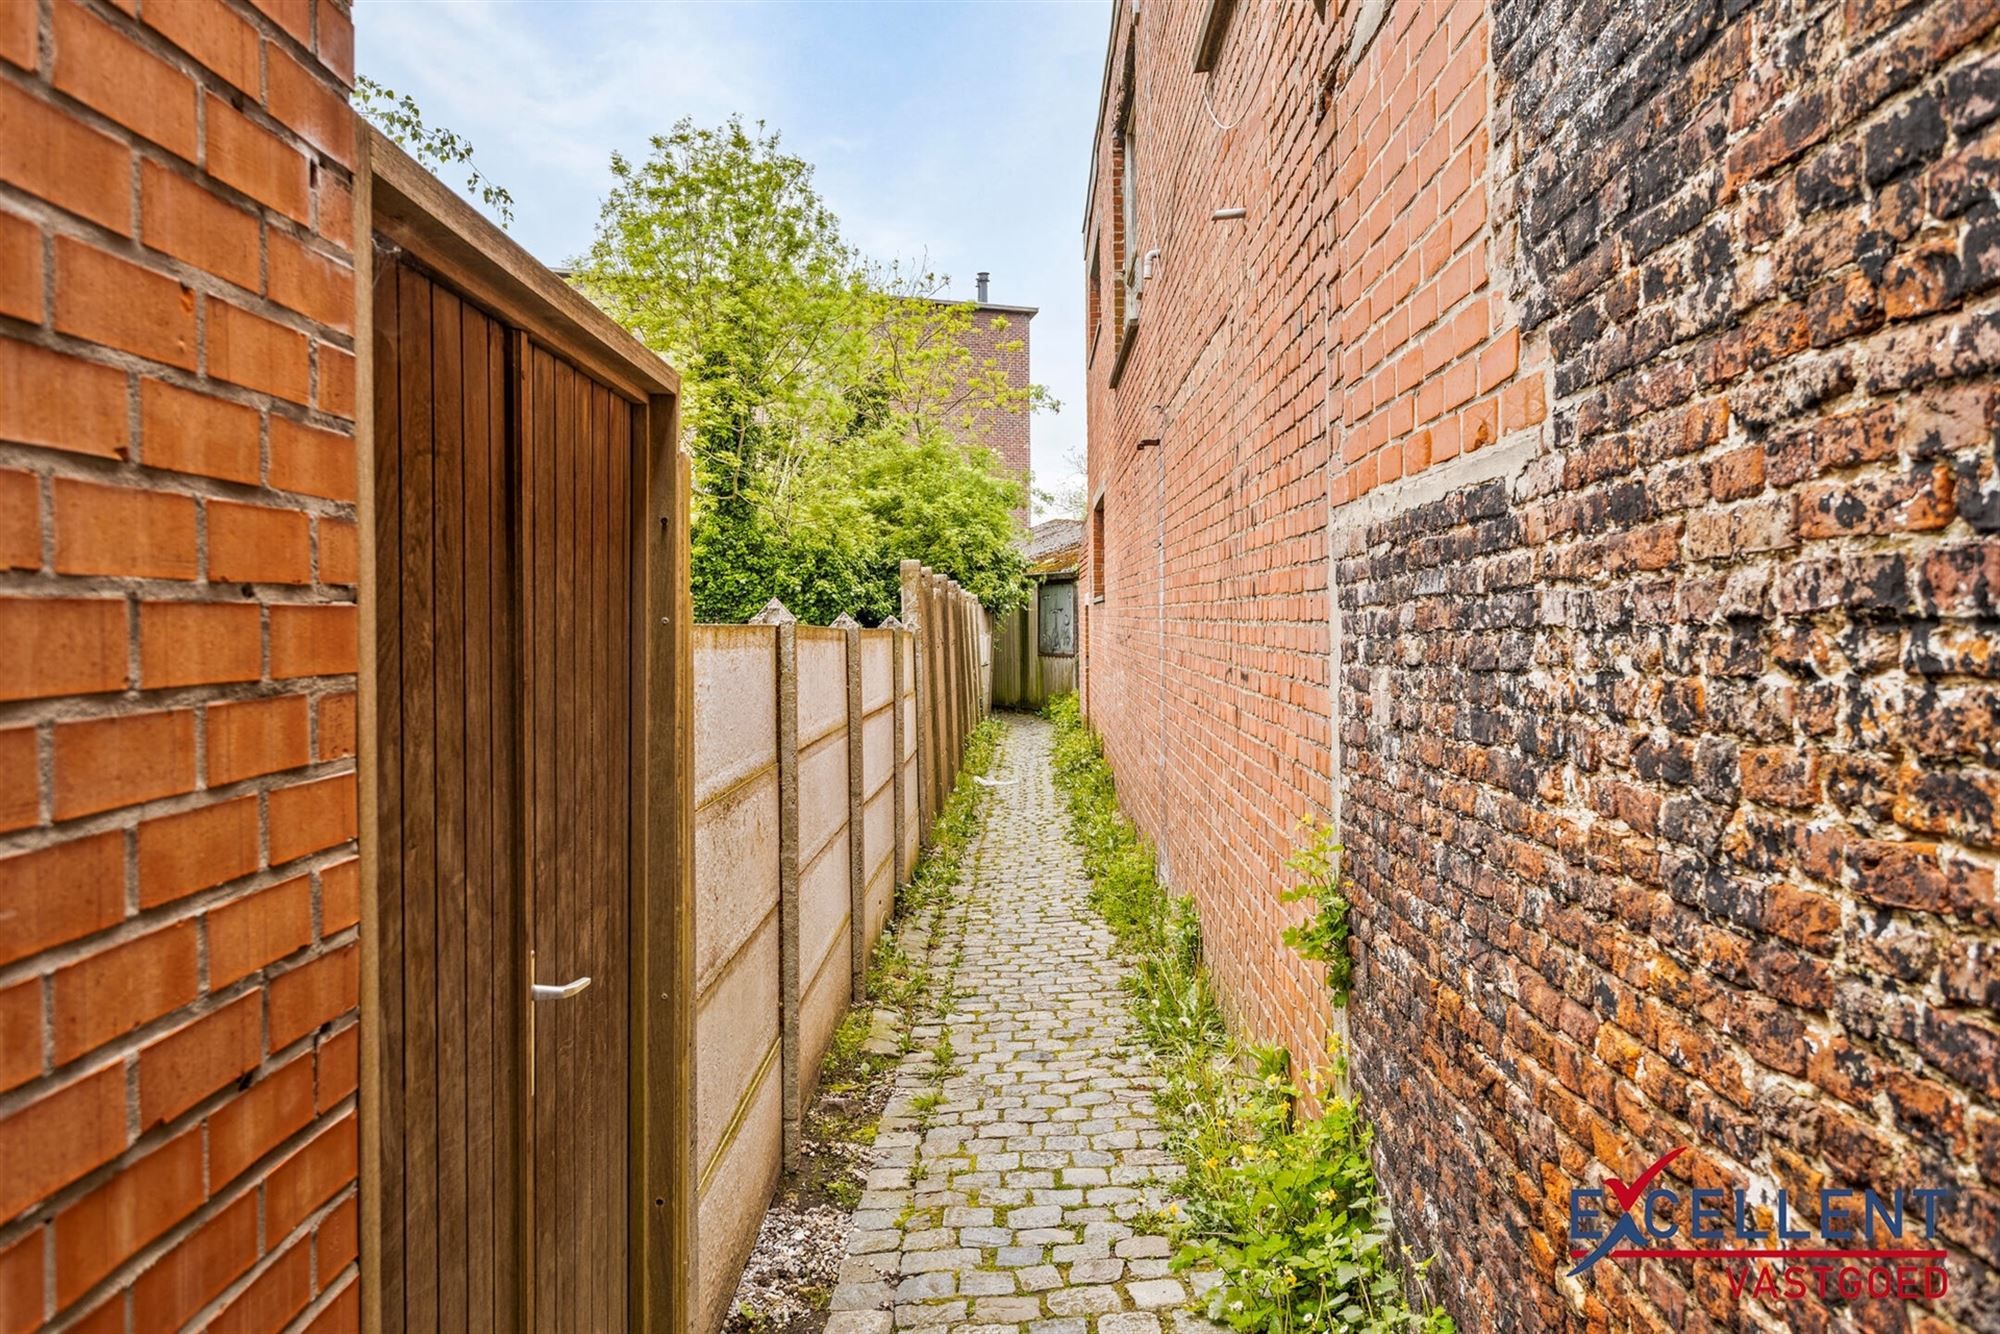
527	1034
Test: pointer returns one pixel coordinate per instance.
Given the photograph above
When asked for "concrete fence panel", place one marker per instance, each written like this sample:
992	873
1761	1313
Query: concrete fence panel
810	790
738	1121
908	801
825	896
875	794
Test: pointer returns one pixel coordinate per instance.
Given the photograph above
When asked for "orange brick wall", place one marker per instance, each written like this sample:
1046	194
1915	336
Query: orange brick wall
1428	349
178	884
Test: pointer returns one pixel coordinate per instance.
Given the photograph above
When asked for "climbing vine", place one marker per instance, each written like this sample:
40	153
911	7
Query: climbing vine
1280	1206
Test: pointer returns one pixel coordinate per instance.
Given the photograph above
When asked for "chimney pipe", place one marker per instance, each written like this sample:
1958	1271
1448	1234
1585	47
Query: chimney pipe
984	278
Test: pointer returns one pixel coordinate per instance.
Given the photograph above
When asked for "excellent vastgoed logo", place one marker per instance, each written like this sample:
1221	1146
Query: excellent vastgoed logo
1881	1235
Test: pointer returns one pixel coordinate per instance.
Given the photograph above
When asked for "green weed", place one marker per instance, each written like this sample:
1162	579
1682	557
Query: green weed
1283	1206
1323	937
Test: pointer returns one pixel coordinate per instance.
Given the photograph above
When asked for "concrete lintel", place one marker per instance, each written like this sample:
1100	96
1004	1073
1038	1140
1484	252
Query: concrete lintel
1505	459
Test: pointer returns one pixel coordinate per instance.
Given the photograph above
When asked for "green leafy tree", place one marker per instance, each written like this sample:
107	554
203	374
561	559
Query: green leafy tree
824	398
398	116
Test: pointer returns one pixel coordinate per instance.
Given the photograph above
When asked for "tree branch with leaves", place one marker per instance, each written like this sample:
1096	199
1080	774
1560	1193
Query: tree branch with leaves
398	116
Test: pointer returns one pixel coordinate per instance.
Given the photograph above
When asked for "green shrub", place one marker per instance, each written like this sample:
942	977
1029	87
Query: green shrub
1283	1207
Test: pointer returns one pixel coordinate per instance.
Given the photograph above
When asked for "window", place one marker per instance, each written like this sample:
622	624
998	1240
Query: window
1128	253
1131	262
1097	551
1096	301
1057	628
1214	28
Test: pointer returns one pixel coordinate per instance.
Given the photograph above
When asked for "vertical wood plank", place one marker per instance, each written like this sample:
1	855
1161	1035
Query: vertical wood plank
913	612
521	636
563	1093
482	972
448	435
507	798
662	810
419	809
580	877
617	755
542	727
593	1017
384	764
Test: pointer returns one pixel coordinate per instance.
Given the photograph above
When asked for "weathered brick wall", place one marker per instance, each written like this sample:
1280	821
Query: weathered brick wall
178	553
1666	724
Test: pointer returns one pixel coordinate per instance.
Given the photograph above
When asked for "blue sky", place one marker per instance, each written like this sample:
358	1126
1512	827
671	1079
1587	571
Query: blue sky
956	134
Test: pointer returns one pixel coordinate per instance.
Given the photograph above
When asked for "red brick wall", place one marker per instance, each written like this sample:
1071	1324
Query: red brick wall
1005	433
1666	751
178	553
1356	289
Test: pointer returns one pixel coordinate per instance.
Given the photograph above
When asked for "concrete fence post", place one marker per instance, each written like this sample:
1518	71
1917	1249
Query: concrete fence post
786	627
940	693
913	617
982	630
898	738
968	694
857	829
935	696
948	645
968	675
965	683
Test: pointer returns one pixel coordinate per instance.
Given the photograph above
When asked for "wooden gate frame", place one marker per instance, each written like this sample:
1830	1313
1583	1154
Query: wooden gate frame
405	203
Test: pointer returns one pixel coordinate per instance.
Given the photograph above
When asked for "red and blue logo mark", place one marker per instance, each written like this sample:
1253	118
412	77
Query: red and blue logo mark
1868	1243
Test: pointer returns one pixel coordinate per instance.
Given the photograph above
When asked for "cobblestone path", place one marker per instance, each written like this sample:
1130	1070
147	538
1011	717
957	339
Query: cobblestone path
1019	1181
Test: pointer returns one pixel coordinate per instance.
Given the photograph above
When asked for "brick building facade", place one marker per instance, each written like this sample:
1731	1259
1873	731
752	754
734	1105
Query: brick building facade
178	560
990	338
1556	441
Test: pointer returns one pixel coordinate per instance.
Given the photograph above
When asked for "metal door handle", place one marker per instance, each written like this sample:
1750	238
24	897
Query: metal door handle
563	992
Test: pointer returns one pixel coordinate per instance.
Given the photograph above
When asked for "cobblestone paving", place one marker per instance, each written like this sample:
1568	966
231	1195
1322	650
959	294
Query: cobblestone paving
1020	1168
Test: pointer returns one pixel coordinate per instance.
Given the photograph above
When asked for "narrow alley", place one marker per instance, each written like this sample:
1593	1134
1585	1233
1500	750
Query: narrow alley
1022	1176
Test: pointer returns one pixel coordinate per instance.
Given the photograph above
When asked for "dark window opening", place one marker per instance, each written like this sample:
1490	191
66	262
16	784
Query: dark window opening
1056	617
1214	29
1097	551
1096	300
